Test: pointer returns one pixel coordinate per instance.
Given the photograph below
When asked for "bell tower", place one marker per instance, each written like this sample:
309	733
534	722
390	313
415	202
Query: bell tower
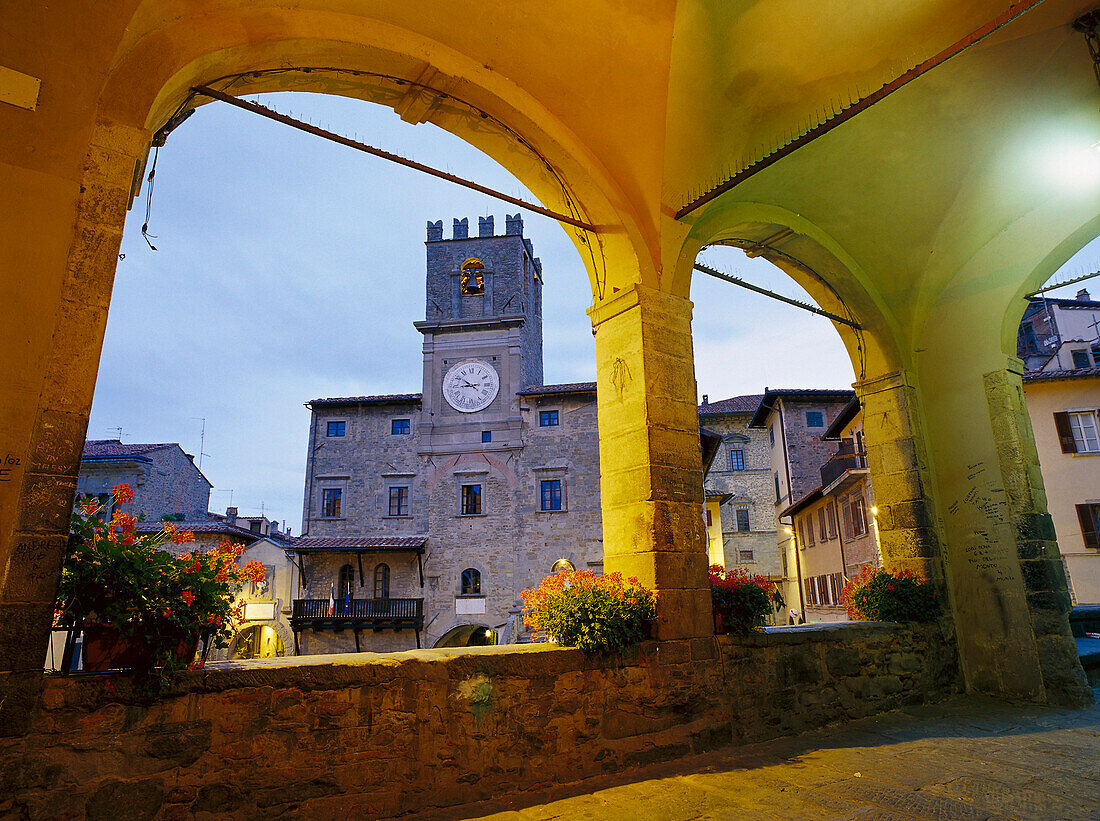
482	336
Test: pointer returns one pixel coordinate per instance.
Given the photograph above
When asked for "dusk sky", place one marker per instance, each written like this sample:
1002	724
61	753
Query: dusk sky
290	268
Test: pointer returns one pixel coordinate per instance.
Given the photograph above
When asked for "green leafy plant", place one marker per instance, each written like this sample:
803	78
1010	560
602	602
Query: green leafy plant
741	601
598	614
112	576
879	595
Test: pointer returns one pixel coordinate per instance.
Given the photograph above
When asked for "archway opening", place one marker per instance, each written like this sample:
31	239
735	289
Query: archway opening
469	635
257	641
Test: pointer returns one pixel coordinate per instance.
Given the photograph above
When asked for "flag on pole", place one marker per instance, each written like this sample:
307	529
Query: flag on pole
332	600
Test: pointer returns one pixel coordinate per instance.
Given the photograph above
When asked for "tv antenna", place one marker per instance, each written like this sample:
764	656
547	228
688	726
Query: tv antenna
202	440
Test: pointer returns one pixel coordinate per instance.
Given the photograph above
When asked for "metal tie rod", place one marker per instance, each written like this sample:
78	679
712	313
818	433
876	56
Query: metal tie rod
1072	281
757	289
263	111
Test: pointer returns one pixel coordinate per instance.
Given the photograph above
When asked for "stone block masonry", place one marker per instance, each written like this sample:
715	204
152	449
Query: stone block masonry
376	736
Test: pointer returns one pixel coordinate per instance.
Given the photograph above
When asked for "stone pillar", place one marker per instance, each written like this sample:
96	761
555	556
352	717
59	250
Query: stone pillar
650	463
51	370
898	461
1005	589
1031	533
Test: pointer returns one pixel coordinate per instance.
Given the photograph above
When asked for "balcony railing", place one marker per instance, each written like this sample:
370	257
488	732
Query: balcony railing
845	459
319	614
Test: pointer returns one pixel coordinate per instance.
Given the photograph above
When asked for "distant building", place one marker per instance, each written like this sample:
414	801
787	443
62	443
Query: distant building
1063	406
1060	334
163	477
427	514
740	512
795	421
833	526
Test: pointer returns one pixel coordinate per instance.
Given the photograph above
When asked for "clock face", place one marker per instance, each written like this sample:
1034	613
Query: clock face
471	385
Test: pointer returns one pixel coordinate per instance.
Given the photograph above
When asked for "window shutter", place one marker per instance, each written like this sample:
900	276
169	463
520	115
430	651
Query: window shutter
1088	526
1065	434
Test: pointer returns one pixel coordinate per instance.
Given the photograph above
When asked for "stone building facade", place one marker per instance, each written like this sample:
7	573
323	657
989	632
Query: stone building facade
794	421
833	528
163	477
427	514
739	496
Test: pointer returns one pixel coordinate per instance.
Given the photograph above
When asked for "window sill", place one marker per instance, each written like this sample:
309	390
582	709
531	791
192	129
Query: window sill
393	516
330	518
470	515
470	595
563	510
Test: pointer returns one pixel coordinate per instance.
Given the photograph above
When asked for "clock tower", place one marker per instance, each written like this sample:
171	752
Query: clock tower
482	336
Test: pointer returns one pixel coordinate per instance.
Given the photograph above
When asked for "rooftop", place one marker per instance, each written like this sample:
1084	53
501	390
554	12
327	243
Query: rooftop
735	404
114	448
1049	376
381	399
307	544
564	387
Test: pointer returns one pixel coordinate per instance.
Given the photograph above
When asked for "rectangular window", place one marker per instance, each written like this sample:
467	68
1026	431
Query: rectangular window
771	435
330	502
548	419
821	530
801	528
745	556
815	419
486	436
742	520
836	584
1077	432
777	497
809	591
1080	359
859	517
336	428
471	500
832	520
737	459
551	494
709	522
1089	516
846	518
809	522
400	427
826	593
399	501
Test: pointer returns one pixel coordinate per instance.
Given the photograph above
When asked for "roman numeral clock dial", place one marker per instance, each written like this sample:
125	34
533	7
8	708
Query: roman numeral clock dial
471	385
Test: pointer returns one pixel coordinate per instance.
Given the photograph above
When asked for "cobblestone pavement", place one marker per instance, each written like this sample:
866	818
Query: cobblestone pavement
969	759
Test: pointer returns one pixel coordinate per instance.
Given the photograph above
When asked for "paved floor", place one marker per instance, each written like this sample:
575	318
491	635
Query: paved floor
968	759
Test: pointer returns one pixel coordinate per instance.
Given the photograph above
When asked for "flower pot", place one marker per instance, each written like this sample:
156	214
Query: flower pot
104	648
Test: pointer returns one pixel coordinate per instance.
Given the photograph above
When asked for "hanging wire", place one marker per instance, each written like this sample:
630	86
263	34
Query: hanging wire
149	200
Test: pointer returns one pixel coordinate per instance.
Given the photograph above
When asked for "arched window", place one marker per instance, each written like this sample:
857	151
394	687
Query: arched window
382	581
473	276
562	566
471	582
347	583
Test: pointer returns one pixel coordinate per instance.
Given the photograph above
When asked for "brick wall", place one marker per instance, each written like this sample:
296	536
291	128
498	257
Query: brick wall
372	736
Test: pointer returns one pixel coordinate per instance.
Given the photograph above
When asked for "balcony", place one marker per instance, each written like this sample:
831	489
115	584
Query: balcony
847	463
358	614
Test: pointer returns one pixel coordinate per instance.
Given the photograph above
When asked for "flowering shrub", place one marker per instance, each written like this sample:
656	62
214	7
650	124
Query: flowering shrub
879	595
113	576
598	614
743	601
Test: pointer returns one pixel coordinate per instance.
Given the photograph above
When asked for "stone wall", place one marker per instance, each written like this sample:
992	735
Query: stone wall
369	735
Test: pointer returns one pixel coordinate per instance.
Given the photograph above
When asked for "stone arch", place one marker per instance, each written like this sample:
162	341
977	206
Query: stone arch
814	260
280	629
463	632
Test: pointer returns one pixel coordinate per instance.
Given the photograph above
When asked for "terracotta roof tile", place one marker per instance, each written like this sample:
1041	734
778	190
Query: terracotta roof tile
310	543
368	400
106	448
735	404
564	387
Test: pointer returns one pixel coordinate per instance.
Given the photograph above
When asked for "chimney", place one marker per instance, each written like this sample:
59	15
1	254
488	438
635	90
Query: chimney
484	226
435	230
704	399
461	229
1083	295
231	515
